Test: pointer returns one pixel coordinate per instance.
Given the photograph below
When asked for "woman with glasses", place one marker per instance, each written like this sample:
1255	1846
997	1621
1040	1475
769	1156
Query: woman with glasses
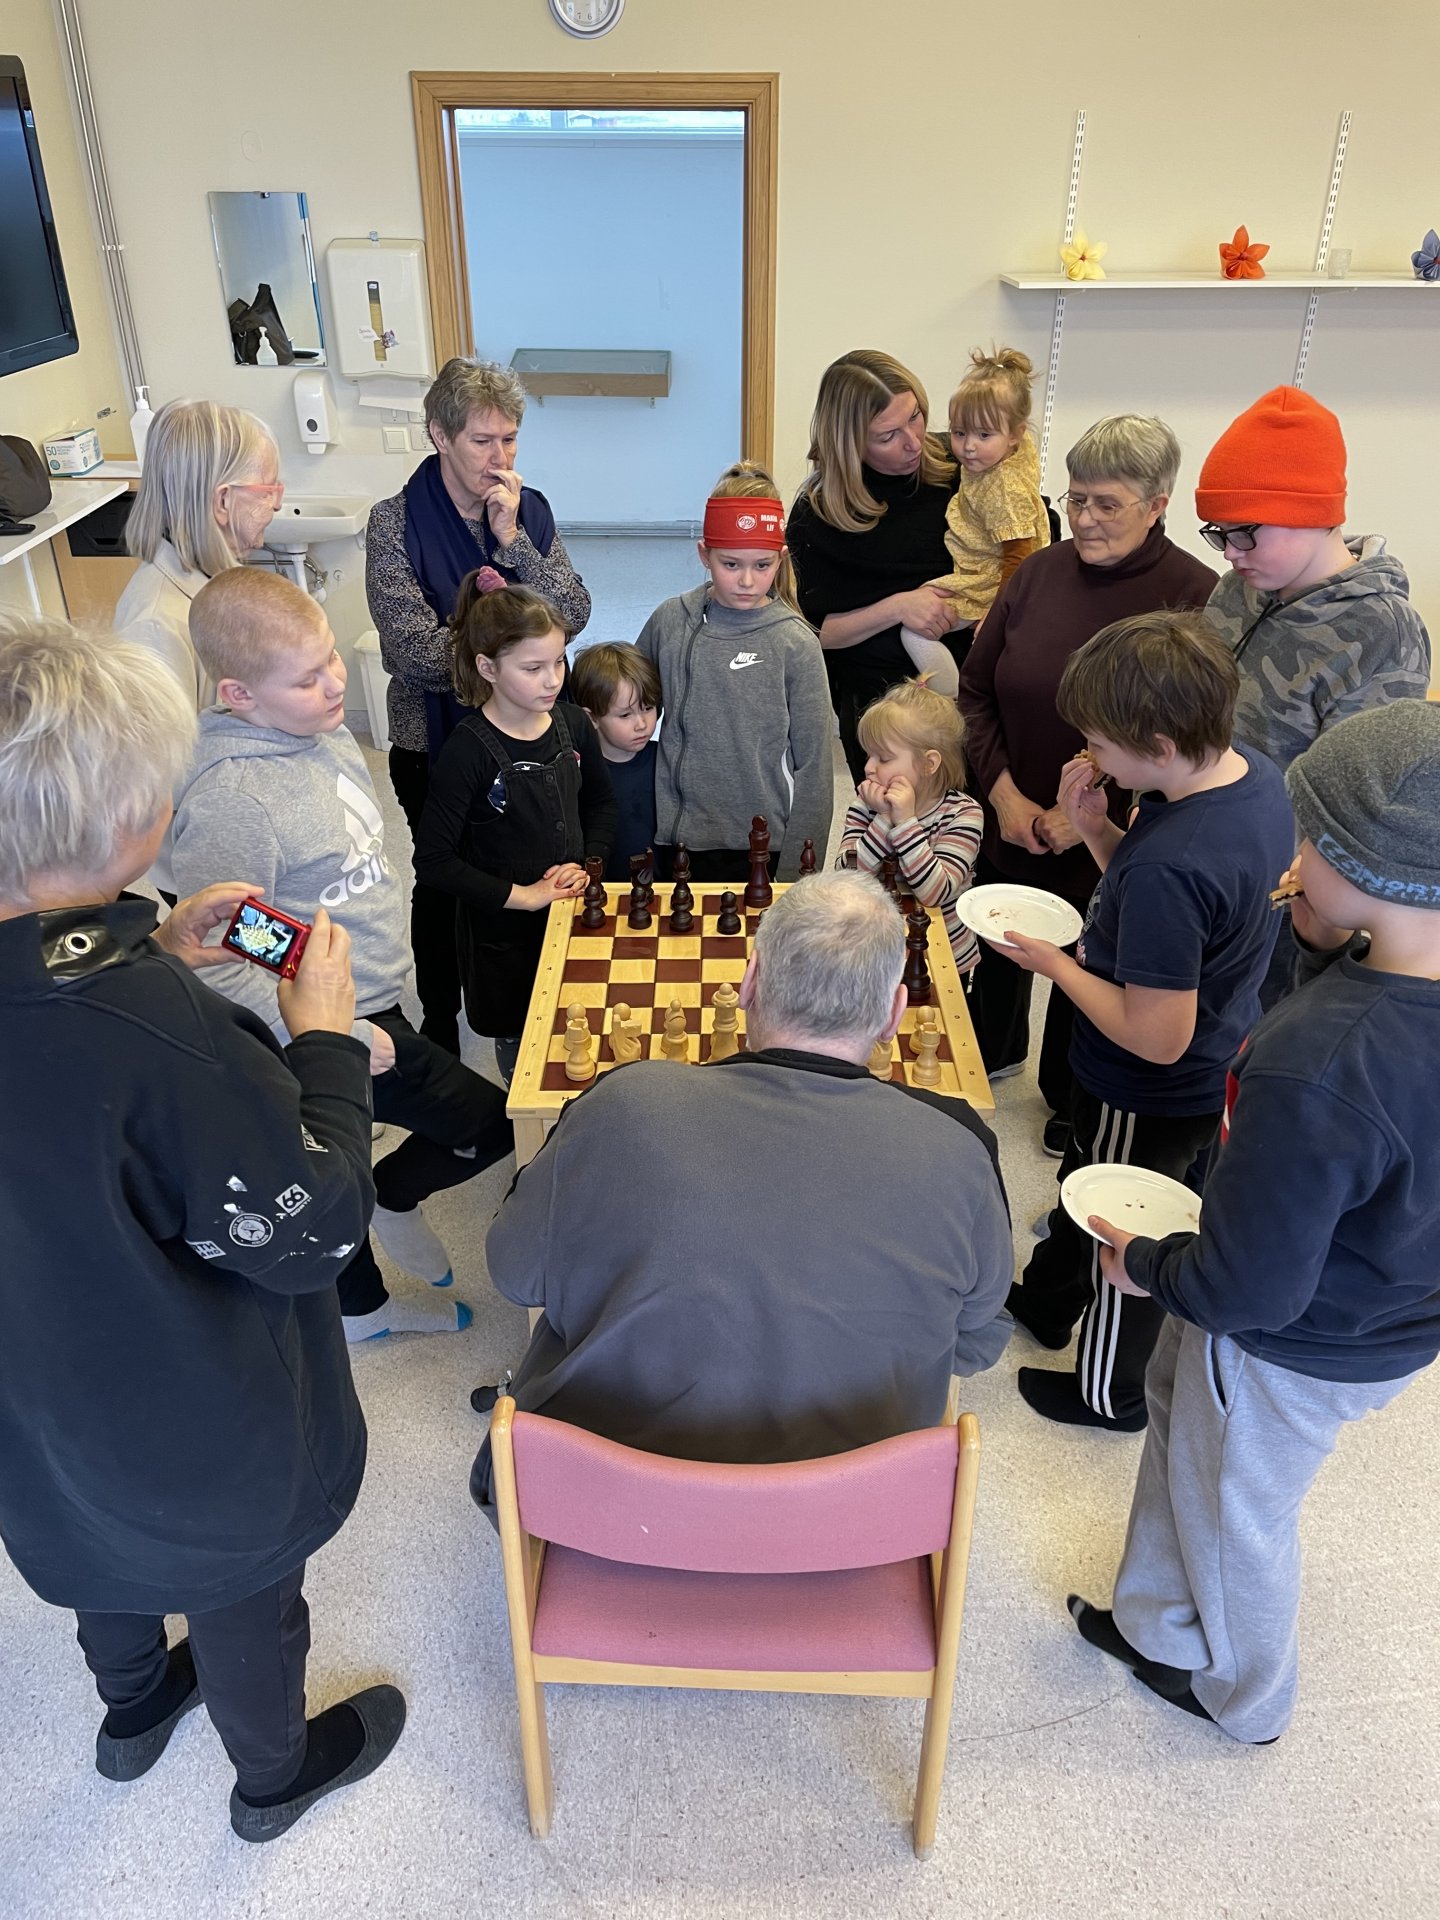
1116	563
209	489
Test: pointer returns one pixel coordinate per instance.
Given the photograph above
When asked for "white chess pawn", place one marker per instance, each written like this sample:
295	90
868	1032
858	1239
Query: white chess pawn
579	1057
724	1039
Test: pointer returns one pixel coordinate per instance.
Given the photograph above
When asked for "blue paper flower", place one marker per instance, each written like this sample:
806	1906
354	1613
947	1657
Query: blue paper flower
1427	261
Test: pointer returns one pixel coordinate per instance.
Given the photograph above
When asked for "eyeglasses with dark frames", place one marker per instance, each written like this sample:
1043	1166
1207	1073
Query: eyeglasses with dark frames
1242	539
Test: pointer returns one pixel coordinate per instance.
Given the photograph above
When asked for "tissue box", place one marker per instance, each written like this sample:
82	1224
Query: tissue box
74	452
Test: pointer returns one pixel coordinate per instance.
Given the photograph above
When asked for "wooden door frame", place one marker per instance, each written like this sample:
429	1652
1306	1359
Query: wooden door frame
435	95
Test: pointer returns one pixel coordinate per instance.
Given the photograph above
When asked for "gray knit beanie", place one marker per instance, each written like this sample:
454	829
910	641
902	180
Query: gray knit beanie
1367	797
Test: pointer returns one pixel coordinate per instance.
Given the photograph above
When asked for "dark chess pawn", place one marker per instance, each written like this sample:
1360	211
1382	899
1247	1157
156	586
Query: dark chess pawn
595	901
807	859
729	921
682	899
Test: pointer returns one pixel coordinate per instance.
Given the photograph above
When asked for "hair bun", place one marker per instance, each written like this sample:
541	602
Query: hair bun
1001	360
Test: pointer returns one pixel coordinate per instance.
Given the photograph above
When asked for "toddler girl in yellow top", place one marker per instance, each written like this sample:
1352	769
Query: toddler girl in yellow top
996	516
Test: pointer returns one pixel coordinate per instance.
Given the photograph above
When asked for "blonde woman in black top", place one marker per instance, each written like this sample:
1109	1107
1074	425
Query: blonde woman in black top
867	530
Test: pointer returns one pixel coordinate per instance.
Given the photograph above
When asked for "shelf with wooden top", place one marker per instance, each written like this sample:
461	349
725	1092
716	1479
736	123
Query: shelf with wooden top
593	372
1206	282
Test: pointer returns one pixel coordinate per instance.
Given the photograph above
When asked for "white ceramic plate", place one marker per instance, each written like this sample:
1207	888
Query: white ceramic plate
1132	1198
991	911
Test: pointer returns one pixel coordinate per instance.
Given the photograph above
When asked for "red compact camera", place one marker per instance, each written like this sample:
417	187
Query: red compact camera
271	939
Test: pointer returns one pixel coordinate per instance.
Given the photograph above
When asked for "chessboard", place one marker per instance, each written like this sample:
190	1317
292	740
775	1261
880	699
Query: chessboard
612	965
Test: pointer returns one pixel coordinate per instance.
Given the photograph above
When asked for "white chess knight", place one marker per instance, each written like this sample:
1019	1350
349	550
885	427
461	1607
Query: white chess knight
624	1034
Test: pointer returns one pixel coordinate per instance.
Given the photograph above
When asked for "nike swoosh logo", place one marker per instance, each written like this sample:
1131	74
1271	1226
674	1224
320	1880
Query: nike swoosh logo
744	660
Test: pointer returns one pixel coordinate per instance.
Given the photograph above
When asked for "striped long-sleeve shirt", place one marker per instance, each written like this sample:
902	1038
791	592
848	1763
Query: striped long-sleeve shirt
935	852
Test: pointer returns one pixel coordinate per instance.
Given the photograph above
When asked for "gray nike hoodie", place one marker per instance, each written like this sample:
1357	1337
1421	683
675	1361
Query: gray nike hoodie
747	727
297	819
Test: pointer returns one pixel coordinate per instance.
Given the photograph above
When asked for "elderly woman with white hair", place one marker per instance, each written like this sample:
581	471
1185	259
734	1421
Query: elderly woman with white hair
1117	562
463	508
177	1418
208	490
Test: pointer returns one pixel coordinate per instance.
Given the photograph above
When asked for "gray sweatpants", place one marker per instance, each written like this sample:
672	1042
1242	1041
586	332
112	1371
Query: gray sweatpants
1210	1576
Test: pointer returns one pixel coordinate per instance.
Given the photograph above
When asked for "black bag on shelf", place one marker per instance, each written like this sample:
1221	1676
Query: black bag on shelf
24	483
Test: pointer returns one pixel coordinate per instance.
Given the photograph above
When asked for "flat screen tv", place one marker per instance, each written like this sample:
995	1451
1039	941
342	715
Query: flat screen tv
36	319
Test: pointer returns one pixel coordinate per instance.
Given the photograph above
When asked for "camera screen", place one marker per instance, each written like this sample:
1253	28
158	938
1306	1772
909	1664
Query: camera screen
261	936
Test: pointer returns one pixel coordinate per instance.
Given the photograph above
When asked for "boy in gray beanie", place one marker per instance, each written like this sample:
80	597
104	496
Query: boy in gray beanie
1311	1294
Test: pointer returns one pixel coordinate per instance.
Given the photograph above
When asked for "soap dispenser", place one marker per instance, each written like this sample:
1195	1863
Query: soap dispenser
265	354
315	411
140	421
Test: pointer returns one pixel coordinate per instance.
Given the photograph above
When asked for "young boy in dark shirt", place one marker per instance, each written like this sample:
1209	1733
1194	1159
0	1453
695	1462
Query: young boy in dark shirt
1311	1294
620	691
1166	975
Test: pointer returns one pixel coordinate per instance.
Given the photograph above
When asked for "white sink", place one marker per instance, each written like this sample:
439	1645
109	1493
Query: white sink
306	519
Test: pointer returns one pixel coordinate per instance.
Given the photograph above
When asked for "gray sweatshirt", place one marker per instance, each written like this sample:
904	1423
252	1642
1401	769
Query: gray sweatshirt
747	727
298	819
1349	642
774	1258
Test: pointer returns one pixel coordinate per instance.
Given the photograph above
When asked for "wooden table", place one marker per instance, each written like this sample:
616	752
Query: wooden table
646	970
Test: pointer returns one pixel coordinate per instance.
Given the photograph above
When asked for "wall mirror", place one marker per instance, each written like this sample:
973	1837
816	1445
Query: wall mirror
267	278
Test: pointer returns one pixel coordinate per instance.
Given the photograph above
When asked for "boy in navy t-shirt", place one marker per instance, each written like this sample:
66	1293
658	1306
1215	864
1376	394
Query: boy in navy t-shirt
620	690
1166	976
1311	1294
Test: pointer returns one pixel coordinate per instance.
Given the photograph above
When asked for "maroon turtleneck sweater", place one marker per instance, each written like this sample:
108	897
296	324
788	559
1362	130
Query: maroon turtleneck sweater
1049	607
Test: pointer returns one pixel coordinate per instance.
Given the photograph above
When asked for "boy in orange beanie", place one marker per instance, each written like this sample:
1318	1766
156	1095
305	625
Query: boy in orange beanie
1321	626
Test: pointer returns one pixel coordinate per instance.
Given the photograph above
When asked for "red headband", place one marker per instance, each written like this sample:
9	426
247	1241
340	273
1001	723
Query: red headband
745	524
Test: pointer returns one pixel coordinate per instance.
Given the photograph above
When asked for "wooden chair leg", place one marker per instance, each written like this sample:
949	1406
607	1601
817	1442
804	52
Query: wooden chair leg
535	1753
949	1618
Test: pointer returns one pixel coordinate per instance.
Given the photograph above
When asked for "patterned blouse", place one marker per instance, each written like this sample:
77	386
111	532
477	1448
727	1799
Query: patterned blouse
413	645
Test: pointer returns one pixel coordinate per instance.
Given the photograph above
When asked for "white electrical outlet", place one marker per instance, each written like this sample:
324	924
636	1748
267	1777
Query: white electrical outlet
420	441
395	439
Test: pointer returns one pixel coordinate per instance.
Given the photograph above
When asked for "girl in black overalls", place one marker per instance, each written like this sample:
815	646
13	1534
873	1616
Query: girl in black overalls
519	799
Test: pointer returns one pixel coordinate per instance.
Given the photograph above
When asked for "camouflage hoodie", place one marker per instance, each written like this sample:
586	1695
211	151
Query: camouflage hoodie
1349	642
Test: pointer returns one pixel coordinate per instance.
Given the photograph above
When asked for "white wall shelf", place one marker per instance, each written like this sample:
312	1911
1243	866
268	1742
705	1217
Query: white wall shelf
1213	282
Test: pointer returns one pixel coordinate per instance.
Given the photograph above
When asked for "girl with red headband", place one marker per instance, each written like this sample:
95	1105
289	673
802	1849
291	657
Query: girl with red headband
747	703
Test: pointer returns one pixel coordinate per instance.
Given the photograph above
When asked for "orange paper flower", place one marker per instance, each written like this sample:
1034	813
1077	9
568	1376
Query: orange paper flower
1241	261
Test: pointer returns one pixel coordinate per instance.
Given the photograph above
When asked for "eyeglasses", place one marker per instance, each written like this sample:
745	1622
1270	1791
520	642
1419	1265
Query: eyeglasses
1242	539
274	490
1076	503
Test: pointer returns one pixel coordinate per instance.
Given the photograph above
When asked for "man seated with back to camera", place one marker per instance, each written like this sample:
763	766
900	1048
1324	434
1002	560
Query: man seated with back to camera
779	1257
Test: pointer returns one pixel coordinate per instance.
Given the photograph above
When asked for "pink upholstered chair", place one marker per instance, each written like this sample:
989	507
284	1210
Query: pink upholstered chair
629	1569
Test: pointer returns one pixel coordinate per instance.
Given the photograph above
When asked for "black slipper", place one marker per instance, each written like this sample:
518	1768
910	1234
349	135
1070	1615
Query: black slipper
127	1756
381	1713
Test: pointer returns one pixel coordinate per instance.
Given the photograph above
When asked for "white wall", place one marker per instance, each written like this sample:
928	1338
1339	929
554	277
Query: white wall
916	164
641	249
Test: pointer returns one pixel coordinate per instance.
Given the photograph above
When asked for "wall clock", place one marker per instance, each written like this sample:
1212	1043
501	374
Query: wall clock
586	19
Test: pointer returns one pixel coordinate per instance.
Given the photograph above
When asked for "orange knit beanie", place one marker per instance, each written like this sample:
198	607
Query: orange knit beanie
1281	464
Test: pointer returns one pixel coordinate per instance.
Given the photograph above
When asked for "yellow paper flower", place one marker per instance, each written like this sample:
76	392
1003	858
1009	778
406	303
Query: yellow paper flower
1082	257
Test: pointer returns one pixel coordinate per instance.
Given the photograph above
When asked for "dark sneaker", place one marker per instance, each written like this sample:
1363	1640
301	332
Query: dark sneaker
1056	1137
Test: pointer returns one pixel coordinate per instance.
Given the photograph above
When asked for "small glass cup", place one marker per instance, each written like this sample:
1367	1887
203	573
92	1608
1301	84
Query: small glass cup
1337	263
